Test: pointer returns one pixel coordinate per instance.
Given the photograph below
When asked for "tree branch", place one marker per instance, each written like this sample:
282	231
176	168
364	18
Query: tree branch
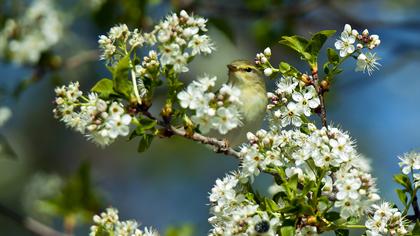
221	146
29	223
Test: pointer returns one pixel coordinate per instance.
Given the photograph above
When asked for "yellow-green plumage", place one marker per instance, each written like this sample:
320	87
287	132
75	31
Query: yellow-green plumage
250	81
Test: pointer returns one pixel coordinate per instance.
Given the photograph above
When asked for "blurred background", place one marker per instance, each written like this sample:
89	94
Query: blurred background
168	185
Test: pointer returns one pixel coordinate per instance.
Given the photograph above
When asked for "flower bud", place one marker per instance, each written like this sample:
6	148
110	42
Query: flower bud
270	95
268	71
325	85
312	220
267	52
354	33
359	46
264	60
365	32
347	28
251	137
305	79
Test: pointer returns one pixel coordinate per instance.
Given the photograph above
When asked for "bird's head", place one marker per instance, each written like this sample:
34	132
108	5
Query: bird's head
244	72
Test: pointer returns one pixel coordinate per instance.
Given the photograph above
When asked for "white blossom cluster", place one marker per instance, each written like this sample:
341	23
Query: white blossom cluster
101	121
321	155
331	152
108	223
234	214
385	219
410	163
366	61
218	111
24	39
291	100
178	38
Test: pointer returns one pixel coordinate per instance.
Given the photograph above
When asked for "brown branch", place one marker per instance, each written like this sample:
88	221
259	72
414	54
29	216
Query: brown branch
320	91
221	146
29	223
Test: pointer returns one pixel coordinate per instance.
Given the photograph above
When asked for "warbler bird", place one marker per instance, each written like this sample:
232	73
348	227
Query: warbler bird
250	81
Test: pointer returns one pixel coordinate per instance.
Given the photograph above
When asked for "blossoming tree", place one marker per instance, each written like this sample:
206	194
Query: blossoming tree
320	183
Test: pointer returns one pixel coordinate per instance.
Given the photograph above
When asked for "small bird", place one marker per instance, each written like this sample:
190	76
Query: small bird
250	81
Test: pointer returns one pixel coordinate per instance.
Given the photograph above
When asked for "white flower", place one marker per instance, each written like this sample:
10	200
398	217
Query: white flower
306	101
205	82
119	32
149	232
187	97
200	44
386	219
367	62
180	63
348	188
233	93
410	161
227	119
346	41
119	125
224	190
290	115
286	85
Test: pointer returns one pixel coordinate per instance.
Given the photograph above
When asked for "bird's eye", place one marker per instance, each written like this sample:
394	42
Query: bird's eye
248	69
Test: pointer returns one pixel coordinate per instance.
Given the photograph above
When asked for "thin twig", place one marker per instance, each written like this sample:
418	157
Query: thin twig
320	93
29	223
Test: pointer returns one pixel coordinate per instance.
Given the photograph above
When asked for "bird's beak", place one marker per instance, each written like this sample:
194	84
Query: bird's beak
231	67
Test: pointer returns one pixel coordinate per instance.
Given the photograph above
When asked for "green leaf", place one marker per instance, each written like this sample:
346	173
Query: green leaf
145	142
270	205
184	230
147	123
296	43
284	67
223	26
293	182
332	216
333	57
104	87
342	232
6	151
317	41
287	231
403	180
401	195
122	83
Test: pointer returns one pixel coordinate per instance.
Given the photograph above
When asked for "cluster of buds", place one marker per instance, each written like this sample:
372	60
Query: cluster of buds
262	59
149	66
371	41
